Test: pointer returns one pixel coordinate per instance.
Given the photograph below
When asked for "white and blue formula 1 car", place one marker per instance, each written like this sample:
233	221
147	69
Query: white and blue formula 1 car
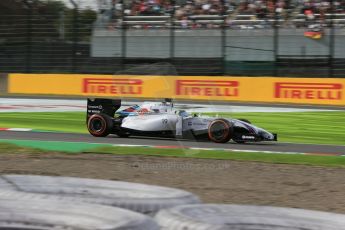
162	120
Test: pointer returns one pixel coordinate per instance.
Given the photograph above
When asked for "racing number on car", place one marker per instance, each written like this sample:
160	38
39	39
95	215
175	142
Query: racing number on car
165	121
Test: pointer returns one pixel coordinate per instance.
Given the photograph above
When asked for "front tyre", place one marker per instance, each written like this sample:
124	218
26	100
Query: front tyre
99	125
220	131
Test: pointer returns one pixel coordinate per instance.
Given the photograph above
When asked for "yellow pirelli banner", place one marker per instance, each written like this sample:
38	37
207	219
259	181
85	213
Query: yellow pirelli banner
327	91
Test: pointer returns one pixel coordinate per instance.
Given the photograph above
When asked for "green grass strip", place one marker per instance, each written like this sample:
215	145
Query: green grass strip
71	122
58	146
44	147
325	127
276	158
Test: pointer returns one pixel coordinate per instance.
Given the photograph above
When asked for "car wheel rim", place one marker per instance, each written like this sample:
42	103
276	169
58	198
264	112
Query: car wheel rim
96	125
218	131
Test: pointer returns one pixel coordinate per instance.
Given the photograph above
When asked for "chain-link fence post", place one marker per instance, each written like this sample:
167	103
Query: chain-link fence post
331	41
223	36
123	36
275	38
172	32
28	51
75	29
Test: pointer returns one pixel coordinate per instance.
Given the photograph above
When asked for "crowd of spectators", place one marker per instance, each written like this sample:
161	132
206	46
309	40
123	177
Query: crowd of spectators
184	10
149	8
260	8
322	6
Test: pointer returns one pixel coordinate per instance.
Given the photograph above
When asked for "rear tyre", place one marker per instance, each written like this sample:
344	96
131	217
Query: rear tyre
100	125
220	131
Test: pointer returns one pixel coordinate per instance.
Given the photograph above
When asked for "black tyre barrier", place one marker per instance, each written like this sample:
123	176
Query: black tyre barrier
245	217
30	212
147	199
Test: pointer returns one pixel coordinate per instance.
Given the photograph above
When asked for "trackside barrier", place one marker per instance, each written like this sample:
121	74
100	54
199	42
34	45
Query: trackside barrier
322	91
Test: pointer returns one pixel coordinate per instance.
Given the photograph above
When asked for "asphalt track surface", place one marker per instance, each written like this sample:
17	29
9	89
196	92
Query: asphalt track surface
112	139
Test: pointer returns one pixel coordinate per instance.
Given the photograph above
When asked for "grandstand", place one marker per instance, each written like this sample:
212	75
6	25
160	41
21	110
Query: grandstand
198	37
237	37
235	14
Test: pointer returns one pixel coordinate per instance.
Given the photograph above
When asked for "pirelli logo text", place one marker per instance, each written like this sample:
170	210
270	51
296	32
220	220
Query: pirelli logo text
312	91
217	88
112	86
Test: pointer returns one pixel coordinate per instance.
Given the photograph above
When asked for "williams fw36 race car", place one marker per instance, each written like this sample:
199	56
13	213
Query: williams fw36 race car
160	119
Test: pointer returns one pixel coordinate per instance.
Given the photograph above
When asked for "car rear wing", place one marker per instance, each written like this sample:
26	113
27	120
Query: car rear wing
102	105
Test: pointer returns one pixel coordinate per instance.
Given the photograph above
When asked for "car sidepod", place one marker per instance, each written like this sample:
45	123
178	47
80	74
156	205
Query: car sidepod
156	125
